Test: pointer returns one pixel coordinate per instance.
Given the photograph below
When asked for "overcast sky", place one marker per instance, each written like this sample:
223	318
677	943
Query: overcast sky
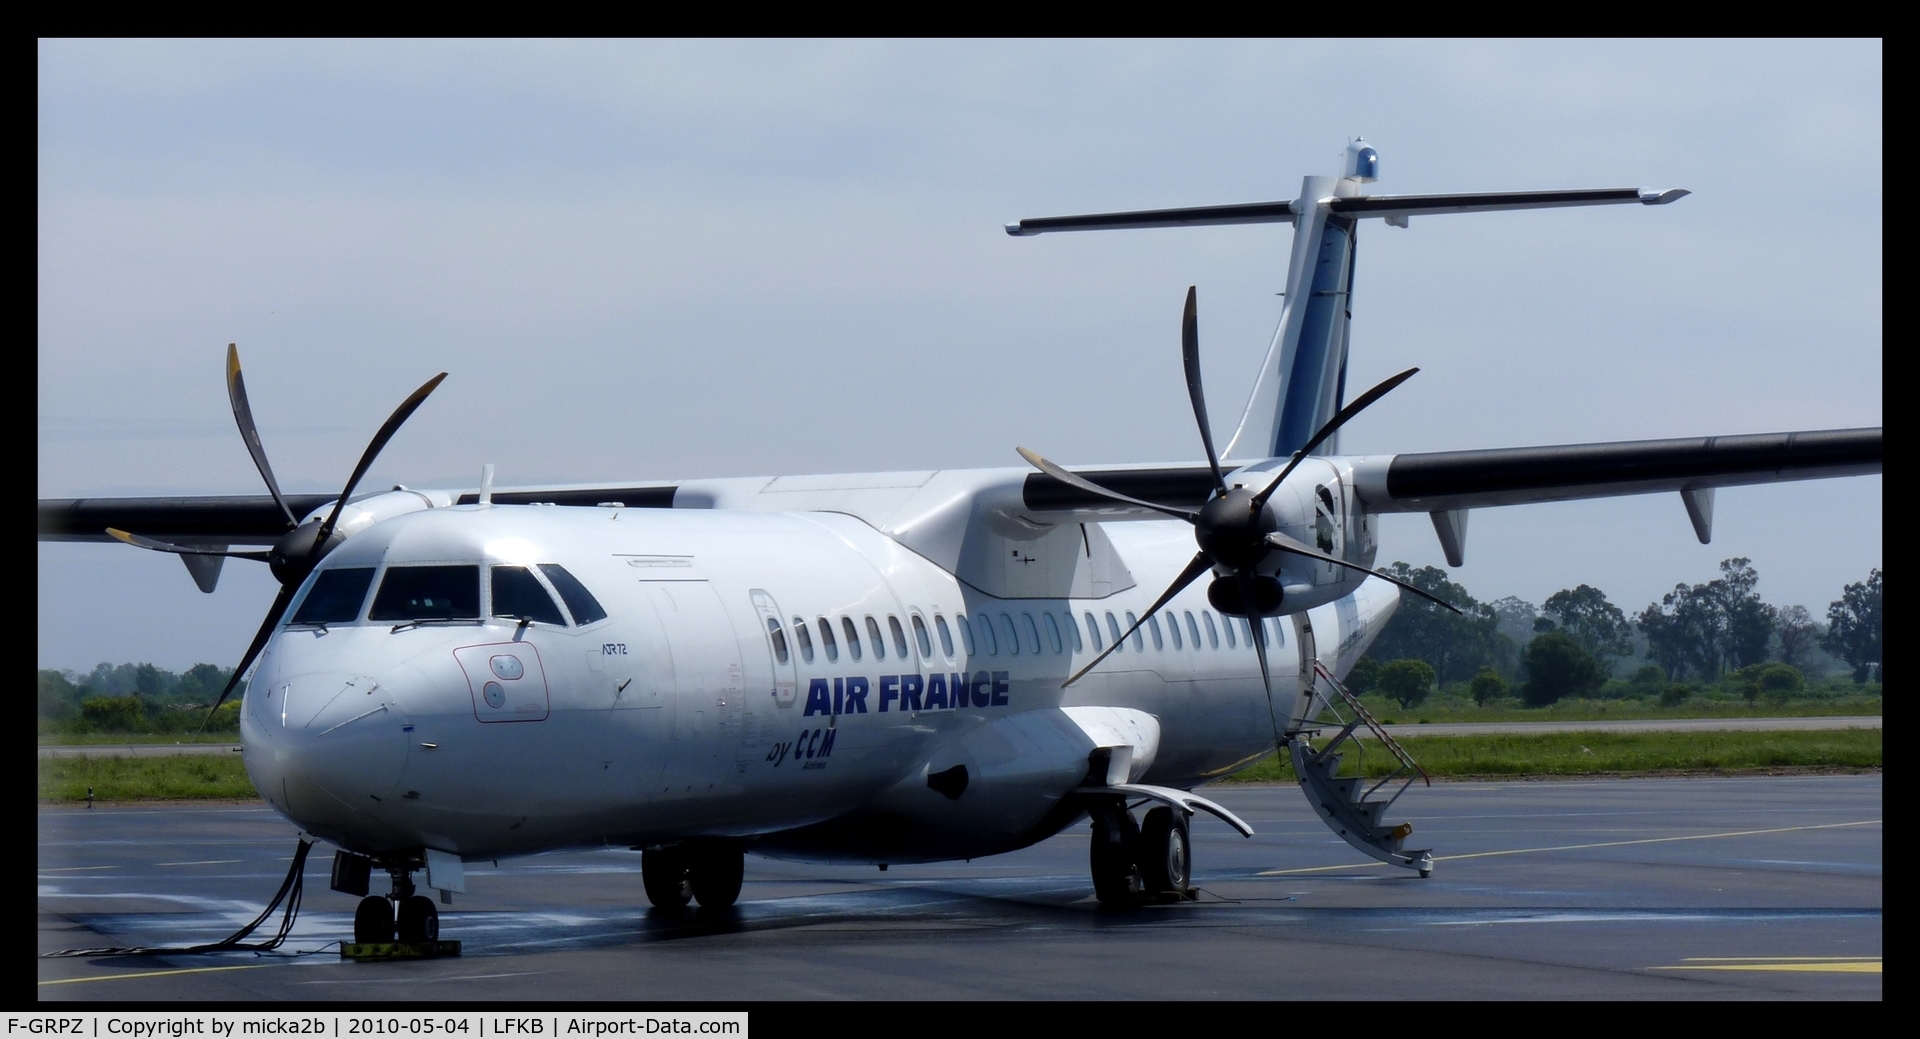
663	260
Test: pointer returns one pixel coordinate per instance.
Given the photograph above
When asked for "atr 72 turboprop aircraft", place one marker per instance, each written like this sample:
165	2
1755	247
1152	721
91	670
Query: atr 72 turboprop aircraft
462	674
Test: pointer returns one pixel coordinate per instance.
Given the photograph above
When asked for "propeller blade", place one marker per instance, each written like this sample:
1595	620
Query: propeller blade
243	414
1200	565
1287	544
392	426
183	550
1190	355
259	642
1333	426
1093	488
1257	626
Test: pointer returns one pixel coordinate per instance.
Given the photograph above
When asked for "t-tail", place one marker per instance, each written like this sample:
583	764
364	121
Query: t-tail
1302	382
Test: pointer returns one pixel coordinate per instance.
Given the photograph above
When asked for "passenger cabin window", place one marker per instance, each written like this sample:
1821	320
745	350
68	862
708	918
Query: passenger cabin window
804	637
1227	623
336	596
586	609
826	640
1173	630
946	636
1008	636
920	636
1093	632
899	637
1073	630
1032	633
873	639
517	593
966	632
985	624
1139	640
1153	625
419	593
1053	631
853	636
1213	637
1113	629
779	640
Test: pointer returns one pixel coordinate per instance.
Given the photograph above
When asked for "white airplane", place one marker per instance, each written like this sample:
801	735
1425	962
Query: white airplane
459	674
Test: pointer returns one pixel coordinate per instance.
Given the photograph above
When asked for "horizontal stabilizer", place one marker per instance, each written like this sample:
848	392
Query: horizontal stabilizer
1195	216
1399	207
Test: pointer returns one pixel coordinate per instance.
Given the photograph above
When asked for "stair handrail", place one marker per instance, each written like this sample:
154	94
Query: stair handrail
1372	723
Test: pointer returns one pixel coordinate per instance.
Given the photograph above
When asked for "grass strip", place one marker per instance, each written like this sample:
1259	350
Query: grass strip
186	777
177	777
1593	753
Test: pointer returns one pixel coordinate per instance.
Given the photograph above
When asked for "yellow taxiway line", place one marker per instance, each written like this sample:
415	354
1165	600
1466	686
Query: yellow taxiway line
154	974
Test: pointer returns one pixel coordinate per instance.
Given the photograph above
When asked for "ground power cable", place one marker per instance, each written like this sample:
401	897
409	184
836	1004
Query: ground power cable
288	896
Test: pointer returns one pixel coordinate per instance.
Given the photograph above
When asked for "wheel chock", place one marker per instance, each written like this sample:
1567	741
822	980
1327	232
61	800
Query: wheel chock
398	950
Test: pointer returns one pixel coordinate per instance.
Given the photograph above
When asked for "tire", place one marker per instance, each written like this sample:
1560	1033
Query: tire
1111	857
419	920
373	921
664	872
1165	854
715	876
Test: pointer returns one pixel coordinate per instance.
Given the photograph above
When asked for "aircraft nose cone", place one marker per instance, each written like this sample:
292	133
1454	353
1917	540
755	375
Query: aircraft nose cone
337	744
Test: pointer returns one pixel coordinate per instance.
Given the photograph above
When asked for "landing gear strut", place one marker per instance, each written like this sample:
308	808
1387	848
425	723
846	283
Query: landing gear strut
1133	863
709	873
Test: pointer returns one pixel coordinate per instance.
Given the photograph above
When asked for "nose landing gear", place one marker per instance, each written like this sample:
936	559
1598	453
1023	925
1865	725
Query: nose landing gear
403	916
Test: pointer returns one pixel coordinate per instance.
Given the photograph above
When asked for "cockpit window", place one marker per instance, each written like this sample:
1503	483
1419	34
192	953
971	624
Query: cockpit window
416	593
517	593
336	596
586	609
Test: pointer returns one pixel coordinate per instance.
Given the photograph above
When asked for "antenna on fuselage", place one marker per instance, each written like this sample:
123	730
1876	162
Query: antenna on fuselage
486	484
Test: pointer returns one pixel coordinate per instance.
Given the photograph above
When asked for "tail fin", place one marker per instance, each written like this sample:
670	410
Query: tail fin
1302	381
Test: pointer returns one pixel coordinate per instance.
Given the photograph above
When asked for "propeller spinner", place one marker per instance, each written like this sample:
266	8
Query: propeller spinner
302	547
1234	531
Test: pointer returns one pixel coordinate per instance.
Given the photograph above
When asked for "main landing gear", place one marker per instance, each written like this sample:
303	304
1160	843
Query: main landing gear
402	916
707	873
1139	862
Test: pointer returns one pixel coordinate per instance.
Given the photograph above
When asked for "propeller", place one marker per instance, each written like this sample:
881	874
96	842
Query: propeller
302	547
1233	529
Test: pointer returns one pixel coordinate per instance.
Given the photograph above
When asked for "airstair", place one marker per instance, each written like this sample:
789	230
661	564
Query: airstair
1347	809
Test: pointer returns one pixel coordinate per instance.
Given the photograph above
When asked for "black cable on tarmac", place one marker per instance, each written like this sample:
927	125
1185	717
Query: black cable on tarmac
289	895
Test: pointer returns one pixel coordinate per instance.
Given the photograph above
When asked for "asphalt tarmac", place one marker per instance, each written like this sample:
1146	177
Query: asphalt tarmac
1699	888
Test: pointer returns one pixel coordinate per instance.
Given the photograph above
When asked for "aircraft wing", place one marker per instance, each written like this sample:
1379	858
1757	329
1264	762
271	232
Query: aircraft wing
1444	481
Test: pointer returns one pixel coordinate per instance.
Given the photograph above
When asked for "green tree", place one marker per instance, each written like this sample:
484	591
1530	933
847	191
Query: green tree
1558	667
1797	634
200	683
115	713
1598	625
1705	629
1650	680
59	700
1407	681
1774	678
1488	686
1366	671
1456	645
1853	626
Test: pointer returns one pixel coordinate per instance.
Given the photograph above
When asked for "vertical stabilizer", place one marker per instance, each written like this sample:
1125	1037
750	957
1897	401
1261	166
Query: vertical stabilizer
1302	381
